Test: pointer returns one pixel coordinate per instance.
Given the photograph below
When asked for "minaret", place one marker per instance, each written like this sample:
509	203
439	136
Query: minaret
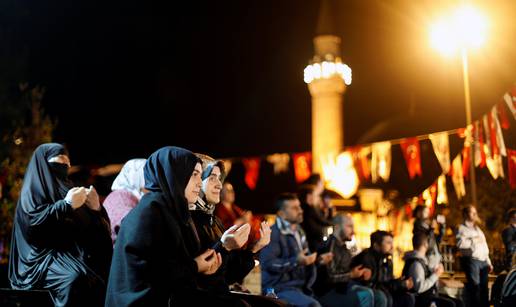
327	78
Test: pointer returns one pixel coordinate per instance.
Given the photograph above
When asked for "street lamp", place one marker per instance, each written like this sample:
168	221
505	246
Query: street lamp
465	28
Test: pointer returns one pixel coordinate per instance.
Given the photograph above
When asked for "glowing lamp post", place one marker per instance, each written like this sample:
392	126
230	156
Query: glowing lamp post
465	28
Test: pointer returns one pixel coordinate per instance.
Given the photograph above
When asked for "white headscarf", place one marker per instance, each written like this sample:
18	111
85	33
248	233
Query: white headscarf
131	177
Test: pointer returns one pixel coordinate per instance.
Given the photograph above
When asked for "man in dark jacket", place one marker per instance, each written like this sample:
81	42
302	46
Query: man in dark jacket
287	263
336	282
314	223
378	258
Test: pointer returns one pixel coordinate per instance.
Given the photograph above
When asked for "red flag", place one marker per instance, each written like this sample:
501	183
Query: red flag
466	160
495	150
408	210
361	162
480	154
252	170
511	160
412	154
502	114
302	166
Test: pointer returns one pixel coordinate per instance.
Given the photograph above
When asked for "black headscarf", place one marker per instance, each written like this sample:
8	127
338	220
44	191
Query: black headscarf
41	183
168	171
39	210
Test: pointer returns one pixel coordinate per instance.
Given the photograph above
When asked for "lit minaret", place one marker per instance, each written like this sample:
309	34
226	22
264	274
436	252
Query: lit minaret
327	78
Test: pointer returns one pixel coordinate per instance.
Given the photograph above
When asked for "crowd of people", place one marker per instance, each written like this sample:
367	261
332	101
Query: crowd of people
170	234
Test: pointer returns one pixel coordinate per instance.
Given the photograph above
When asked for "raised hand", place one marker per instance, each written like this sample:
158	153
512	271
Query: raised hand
325	258
208	262
235	237
92	200
265	237
409	283
361	272
76	197
306	259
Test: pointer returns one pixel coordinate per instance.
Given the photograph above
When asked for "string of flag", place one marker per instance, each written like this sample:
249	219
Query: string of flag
372	162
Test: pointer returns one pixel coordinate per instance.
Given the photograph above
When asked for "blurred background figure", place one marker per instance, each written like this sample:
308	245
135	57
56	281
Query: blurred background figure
423	223
230	214
127	190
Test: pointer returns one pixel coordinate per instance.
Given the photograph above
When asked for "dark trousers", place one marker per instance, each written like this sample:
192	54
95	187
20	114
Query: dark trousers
400	299
439	300
476	288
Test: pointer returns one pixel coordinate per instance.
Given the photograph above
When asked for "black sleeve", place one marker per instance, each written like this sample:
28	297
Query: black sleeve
47	214
388	282
240	263
95	237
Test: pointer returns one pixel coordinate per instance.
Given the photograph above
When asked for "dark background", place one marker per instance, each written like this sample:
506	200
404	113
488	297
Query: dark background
225	78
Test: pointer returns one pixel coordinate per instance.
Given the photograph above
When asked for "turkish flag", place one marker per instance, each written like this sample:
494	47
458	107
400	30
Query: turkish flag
495	150
361	161
302	166
412	155
480	154
502	115
252	170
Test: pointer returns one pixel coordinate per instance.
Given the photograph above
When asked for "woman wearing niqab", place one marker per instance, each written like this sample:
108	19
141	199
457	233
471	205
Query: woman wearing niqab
59	245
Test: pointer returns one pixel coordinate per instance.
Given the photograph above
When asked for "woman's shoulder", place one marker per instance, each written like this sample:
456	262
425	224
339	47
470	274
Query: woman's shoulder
150	205
121	196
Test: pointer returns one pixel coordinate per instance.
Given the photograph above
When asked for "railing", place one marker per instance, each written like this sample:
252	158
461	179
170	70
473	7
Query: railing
447	252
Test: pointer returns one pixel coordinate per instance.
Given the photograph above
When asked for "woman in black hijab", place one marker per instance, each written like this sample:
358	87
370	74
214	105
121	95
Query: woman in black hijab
156	258
237	253
60	235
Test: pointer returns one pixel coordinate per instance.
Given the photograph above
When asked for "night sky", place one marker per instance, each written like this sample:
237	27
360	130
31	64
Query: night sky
225	78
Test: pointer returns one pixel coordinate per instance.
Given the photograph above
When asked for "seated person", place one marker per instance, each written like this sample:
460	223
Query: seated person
287	263
314	223
237	262
158	255
335	280
61	239
425	279
128	188
378	258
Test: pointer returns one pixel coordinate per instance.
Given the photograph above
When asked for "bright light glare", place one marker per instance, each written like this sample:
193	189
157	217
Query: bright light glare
465	28
340	174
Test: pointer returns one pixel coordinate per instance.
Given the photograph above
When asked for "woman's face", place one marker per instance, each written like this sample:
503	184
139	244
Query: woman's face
193	188
63	159
212	185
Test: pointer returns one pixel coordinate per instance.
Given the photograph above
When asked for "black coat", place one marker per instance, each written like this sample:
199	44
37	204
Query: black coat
236	264
153	262
150	263
382	271
314	225
336	274
51	239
